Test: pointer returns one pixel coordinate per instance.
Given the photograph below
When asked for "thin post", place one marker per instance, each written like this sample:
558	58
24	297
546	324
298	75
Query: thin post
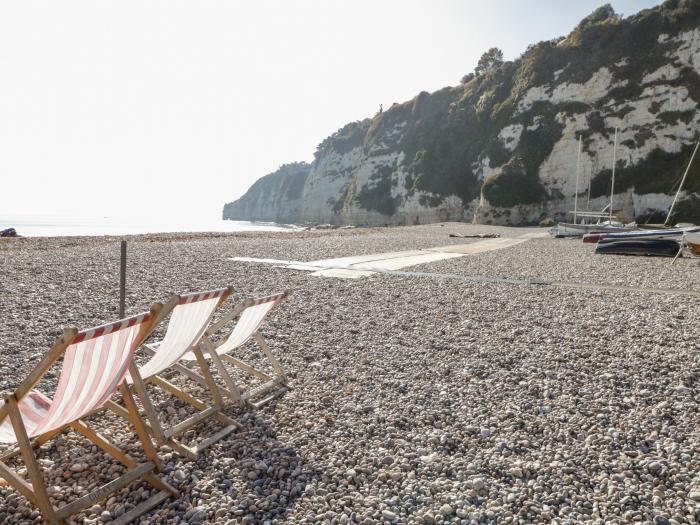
578	170
612	184
122	280
673	204
590	178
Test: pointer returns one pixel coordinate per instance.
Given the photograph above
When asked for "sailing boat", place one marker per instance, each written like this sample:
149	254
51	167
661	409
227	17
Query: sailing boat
661	231
576	229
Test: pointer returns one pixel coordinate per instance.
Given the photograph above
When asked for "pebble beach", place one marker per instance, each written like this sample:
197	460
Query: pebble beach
413	399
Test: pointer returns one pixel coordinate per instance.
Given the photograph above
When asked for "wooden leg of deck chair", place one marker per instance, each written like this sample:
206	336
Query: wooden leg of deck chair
151	415
123	413
35	444
206	373
119	455
187	398
266	350
247	368
194	376
41	497
17	482
140	428
231	388
205	412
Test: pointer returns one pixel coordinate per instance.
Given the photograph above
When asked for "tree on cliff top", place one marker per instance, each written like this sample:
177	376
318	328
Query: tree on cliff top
603	13
488	61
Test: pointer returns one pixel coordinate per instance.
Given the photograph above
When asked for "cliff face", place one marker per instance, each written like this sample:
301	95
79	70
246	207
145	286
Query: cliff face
277	197
502	148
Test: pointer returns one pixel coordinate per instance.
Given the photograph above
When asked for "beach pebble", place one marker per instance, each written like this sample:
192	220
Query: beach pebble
411	399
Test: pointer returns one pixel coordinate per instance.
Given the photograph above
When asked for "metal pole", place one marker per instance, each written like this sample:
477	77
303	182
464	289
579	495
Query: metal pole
590	178
578	170
668	217
122	280
612	184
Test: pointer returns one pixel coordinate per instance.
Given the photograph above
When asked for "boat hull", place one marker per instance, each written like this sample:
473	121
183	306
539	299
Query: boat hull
645	247
564	229
671	233
692	242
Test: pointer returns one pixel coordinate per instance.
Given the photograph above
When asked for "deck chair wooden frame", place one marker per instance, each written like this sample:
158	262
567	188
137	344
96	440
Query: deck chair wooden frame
35	419
250	315
190	317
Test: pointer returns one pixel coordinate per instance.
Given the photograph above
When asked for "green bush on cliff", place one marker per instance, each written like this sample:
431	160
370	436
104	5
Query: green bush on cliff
512	185
687	210
658	173
345	139
376	196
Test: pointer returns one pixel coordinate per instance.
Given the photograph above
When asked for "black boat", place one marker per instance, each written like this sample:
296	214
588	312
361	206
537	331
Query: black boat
658	247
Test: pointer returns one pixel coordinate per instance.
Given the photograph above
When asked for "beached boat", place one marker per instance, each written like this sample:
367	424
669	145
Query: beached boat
593	237
692	244
605	221
650	235
653	247
567	229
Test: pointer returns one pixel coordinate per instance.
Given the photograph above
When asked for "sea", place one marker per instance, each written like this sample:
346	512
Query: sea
38	225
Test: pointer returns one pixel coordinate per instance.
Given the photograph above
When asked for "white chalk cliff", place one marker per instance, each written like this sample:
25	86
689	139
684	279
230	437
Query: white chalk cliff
502	148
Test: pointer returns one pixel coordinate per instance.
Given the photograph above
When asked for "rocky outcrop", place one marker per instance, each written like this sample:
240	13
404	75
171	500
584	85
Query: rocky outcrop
277	197
502	148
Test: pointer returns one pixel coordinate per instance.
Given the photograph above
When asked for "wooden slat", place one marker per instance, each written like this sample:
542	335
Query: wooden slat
237	310
103	443
17	482
117	409
41	497
206	374
245	366
178	429
155	426
205	443
194	376
105	490
232	390
138	424
177	392
36	443
274	395
141	509
262	389
276	366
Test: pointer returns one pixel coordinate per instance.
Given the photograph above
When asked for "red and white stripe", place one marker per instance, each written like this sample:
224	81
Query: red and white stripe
277	298
248	323
203	296
189	320
94	365
33	409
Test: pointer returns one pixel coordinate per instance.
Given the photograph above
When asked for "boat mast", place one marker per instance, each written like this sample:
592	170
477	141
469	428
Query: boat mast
612	184
590	177
670	211
578	170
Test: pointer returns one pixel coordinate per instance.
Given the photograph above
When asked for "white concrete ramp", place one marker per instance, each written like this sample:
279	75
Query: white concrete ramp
358	266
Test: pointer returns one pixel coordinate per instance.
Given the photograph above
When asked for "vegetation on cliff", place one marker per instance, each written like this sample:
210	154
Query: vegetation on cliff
485	137
280	188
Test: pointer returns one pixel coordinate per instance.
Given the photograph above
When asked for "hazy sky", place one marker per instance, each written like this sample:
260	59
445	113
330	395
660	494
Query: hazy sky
118	107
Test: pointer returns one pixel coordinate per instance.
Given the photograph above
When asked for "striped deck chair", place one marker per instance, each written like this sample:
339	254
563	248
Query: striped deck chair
191	315
94	365
250	314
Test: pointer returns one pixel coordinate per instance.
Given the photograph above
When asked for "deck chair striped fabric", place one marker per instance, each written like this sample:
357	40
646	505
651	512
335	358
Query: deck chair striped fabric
250	314
190	317
95	363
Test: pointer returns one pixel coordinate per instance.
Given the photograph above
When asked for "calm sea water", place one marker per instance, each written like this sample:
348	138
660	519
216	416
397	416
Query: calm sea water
62	226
